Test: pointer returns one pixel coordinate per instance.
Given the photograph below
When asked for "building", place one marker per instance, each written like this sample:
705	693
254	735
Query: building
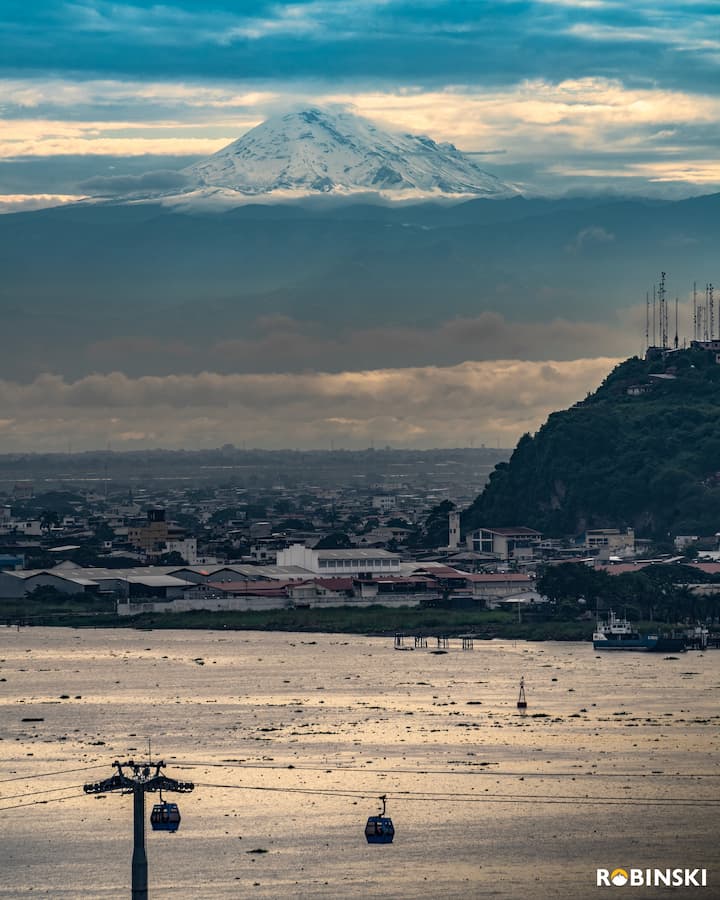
20	583
157	536
509	544
637	390
150	537
683	541
453	530
608	542
340	562
712	346
11	561
187	548
494	589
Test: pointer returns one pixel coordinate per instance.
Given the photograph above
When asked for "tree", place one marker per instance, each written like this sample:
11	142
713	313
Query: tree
49	519
222	516
336	540
171	559
570	582
398	523
435	529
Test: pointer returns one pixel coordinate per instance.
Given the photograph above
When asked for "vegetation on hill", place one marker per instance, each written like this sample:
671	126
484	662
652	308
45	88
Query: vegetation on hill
649	459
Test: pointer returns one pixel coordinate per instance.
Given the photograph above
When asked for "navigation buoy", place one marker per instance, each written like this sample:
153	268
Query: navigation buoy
522	702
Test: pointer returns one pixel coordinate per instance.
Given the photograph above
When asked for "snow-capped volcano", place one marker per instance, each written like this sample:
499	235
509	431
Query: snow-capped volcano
320	150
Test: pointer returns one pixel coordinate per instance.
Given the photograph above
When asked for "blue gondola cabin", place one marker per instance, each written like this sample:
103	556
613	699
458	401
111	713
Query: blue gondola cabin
165	817
380	829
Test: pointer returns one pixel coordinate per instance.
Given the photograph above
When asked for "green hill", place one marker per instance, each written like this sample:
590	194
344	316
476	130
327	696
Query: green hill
649	459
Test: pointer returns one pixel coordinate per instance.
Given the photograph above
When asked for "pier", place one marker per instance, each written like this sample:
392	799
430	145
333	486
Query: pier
442	641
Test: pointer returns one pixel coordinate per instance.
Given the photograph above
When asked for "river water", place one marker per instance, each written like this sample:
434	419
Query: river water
290	739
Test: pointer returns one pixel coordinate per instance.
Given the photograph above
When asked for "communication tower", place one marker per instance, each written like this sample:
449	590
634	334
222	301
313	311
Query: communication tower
663	312
711	304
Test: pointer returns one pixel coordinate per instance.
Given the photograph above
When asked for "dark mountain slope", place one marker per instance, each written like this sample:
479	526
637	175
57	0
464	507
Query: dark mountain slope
651	461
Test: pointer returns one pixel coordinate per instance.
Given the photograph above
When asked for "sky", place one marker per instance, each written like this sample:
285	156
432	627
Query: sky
556	96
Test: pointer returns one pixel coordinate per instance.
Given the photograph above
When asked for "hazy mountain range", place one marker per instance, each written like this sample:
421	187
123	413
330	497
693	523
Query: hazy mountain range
86	273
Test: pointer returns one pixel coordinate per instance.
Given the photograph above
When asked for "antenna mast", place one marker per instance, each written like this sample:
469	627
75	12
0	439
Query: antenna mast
706	317
663	311
677	339
695	328
654	328
647	320
712	312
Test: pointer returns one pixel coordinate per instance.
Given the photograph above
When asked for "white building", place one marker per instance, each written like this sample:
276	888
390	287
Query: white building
187	548
340	562
516	544
28	527
454	530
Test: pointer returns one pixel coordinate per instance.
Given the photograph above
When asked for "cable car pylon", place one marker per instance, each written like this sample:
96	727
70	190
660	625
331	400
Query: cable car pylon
138	781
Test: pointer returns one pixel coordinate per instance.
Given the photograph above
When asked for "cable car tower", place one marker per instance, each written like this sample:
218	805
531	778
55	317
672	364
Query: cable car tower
138	781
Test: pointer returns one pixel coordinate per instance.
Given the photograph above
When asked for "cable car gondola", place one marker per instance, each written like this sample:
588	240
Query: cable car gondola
165	817
380	829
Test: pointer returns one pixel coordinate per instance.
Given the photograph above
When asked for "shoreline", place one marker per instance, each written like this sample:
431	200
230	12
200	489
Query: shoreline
374	621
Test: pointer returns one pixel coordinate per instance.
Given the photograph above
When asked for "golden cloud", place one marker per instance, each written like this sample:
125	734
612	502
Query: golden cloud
494	401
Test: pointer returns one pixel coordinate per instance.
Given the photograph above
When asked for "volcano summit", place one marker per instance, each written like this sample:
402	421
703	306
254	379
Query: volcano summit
330	151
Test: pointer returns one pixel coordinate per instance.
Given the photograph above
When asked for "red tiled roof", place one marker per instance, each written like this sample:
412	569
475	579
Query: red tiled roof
332	584
441	571
710	568
624	568
274	588
494	578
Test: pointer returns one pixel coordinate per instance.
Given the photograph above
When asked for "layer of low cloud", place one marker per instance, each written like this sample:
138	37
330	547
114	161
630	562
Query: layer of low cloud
122	185
280	344
11	203
479	402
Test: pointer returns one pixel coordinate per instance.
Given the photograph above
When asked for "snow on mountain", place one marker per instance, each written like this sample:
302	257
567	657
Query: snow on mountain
329	151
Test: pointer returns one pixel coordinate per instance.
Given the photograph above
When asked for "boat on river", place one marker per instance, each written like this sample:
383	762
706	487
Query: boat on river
619	634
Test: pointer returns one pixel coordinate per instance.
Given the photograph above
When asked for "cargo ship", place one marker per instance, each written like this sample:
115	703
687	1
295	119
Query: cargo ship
619	634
